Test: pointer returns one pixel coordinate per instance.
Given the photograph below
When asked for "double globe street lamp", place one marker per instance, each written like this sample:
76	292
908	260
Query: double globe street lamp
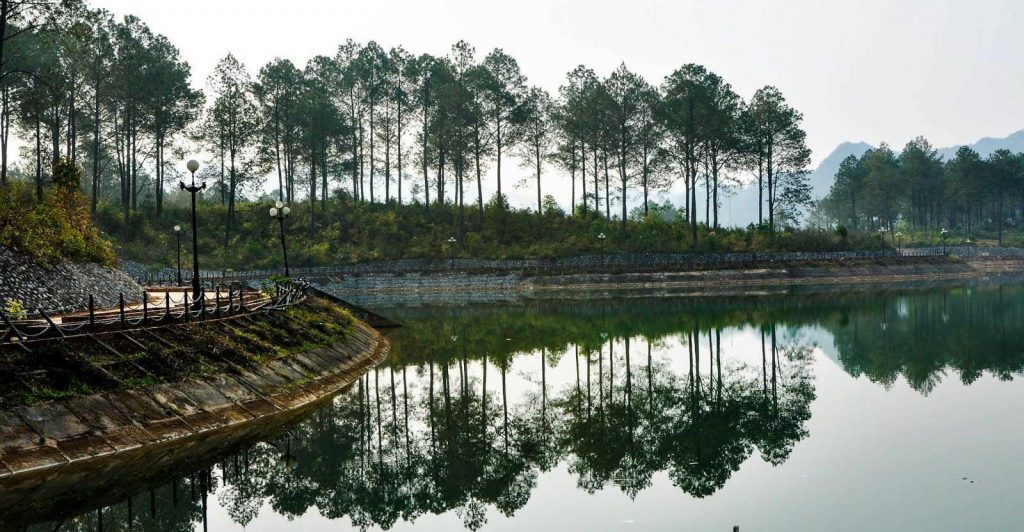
280	212
194	189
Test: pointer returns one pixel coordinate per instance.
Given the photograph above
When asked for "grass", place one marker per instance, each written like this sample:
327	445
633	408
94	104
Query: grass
200	350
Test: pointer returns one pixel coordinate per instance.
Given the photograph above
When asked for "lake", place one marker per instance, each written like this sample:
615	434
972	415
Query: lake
884	410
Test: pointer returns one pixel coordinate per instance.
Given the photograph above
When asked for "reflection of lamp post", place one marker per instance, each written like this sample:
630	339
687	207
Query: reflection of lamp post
192	189
944	233
279	212
177	234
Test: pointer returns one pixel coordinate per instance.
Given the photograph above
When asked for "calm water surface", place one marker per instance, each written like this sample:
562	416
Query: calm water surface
897	410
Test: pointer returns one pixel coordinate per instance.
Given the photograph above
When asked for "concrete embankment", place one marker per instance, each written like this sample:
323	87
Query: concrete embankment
48	439
382	288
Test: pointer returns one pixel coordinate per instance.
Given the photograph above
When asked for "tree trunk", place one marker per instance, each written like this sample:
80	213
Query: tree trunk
372	162
536	152
95	145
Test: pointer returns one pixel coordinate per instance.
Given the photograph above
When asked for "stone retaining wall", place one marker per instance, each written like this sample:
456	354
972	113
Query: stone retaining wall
386	290
63	287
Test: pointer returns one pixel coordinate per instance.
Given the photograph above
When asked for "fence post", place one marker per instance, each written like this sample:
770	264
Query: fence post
3	317
145	307
216	298
120	304
167	304
92	311
231	300
202	303
49	321
186	316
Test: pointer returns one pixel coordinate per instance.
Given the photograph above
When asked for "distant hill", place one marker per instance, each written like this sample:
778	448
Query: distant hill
740	209
821	178
1014	142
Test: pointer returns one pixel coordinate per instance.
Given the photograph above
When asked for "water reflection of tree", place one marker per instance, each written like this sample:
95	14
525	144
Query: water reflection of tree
436	430
921	338
445	436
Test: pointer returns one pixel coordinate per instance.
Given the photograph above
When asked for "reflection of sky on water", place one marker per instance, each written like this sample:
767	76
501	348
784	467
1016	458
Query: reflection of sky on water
881	452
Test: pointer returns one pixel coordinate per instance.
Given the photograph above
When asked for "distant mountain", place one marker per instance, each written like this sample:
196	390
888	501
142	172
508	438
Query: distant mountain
821	178
1014	142
740	209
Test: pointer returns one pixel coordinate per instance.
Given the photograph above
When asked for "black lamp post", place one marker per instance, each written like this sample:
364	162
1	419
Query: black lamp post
177	234
451	252
280	212
193	189
944	233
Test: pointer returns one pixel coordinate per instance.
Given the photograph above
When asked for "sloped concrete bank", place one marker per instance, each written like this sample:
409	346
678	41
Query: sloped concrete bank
430	287
71	436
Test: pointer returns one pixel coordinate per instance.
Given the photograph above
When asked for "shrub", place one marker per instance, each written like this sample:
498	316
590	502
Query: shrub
15	309
55	228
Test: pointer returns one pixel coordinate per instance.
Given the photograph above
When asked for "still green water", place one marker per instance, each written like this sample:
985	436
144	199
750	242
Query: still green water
897	410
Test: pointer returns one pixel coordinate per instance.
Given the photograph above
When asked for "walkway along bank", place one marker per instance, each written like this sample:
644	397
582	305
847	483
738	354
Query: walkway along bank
73	404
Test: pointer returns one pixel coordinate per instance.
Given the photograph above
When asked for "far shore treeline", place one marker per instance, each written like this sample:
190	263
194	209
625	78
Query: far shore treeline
920	191
386	153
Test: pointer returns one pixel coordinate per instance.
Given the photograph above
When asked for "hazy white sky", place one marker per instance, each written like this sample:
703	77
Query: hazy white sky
868	70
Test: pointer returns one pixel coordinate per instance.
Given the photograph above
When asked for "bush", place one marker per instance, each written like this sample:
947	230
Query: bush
55	228
344	231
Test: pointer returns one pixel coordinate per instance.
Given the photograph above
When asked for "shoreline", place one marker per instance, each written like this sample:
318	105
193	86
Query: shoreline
715	282
43	440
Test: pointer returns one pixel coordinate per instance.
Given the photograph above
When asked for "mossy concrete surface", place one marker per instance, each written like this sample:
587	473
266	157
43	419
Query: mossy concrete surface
232	374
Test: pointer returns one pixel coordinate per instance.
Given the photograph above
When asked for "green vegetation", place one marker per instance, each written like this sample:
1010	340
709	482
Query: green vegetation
917	193
54	227
81	366
385	153
345	231
390	127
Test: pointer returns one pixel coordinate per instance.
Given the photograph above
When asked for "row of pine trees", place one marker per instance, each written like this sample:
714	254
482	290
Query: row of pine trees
918	189
379	125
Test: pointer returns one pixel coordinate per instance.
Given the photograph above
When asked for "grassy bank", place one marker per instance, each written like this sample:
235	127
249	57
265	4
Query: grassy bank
83	366
343	231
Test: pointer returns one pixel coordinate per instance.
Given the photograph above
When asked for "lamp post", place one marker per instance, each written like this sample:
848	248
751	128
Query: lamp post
601	238
280	212
451	252
944	233
881	240
193	189
899	242
177	234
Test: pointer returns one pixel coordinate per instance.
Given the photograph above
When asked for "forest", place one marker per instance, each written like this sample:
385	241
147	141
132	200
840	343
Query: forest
919	191
385	153
371	125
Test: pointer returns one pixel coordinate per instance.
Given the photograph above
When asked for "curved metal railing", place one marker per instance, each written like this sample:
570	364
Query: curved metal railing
238	301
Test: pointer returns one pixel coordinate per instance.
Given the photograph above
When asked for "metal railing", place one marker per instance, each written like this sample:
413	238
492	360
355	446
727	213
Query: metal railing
584	263
237	301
